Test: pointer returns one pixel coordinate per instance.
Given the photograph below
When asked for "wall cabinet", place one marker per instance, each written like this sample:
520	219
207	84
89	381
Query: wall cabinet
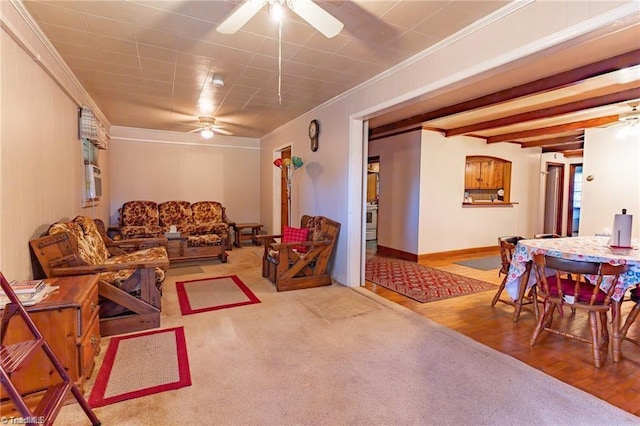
484	173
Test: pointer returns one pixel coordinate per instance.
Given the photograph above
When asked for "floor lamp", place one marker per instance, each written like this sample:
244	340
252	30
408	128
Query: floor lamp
288	167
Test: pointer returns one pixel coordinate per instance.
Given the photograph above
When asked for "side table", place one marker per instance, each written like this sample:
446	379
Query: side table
68	320
246	236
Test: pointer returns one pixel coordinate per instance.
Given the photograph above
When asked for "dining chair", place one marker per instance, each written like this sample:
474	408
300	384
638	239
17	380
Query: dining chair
507	247
631	317
539	236
566	282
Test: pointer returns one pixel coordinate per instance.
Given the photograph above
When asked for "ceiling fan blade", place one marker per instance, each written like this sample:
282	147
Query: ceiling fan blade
319	18
240	16
199	129
222	131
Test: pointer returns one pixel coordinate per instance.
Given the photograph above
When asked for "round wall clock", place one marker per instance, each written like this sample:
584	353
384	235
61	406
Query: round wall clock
314	131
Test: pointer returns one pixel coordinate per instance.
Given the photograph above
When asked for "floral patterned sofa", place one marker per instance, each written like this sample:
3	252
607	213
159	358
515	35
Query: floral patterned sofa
130	272
203	226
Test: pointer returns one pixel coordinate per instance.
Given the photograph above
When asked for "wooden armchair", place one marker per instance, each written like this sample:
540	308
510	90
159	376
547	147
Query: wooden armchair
130	284
301	264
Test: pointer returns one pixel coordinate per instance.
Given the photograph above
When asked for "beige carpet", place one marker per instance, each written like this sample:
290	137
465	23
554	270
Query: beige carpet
334	356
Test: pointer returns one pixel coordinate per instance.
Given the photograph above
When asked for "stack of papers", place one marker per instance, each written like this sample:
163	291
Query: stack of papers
29	292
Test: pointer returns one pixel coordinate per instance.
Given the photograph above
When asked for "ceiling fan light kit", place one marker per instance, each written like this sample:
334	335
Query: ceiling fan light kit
316	16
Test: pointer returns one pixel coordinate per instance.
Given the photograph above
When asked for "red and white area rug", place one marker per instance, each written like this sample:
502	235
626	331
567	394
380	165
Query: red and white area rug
210	294
126	374
419	282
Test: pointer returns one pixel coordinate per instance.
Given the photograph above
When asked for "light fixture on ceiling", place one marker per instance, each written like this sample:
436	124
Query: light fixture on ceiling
631	122
206	132
632	117
217	80
276	10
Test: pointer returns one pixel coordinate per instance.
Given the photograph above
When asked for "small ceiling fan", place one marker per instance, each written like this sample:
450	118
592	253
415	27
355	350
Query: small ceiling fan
306	9
208	128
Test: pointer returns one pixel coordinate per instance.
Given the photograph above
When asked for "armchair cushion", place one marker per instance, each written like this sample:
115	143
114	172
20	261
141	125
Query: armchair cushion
140	219
295	235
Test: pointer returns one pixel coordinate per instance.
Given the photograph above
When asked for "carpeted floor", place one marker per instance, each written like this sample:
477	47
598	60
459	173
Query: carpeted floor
419	282
483	263
337	355
184	270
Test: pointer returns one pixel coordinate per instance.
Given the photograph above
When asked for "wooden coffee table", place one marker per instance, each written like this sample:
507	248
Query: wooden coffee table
178	250
246	236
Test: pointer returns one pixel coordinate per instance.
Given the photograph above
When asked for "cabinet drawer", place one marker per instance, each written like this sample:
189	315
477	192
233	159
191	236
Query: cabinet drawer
88	311
89	348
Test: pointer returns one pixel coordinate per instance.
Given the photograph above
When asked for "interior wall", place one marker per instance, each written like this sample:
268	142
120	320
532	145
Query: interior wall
445	224
41	166
162	166
399	197
613	163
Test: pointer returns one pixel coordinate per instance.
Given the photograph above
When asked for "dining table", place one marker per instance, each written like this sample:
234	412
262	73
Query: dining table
581	248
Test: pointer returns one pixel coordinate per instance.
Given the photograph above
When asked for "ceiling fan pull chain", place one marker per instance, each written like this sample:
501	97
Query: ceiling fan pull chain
280	62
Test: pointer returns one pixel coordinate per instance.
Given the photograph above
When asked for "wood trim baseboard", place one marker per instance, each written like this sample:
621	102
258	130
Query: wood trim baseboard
412	257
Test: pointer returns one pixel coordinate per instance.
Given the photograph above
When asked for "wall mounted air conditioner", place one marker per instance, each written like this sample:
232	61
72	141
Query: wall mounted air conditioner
93	182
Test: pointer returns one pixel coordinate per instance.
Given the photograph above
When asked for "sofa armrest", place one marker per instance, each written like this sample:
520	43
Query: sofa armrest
96	269
139	243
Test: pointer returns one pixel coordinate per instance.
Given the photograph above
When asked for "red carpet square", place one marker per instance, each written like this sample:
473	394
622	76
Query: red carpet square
210	294
123	376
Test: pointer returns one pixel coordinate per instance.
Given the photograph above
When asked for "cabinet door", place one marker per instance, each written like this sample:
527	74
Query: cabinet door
472	175
498	175
486	175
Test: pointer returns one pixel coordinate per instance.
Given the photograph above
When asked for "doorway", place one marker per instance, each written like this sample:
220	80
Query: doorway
284	202
575	199
553	199
373	190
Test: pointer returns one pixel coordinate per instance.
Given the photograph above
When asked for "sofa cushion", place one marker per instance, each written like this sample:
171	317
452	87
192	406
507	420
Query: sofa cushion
201	228
139	219
204	240
176	213
207	212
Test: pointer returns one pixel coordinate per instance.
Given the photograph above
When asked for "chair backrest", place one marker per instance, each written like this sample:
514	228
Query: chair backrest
542	236
90	245
176	213
139	213
579	279
507	246
208	212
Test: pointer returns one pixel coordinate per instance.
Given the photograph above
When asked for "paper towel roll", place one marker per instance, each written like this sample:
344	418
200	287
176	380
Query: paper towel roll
621	234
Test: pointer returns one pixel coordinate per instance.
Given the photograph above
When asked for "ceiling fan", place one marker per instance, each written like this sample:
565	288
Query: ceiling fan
208	128
306	9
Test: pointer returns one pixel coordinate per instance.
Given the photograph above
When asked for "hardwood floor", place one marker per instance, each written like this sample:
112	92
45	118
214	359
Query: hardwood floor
565	359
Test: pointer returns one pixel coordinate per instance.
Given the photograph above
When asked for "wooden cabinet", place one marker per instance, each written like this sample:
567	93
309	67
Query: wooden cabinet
484	173
68	320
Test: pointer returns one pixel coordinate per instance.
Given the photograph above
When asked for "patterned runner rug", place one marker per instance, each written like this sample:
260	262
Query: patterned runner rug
123	376
419	282
209	294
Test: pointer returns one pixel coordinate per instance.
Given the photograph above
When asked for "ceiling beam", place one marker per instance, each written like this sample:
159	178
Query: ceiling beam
576	125
575	153
554	111
552	141
544	84
562	148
